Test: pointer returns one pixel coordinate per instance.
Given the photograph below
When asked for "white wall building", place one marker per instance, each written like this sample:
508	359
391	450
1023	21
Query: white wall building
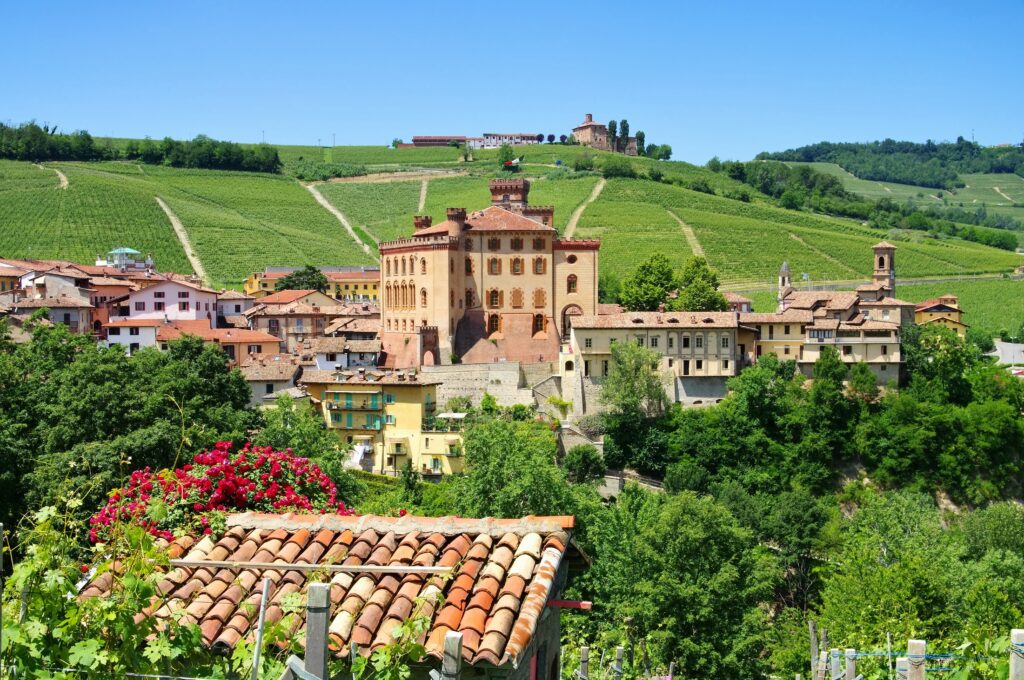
132	334
167	300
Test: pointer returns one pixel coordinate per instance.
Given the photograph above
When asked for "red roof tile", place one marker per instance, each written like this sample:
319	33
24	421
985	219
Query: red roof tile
283	297
497	621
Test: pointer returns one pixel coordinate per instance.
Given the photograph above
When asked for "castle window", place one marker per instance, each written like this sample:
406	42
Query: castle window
494	244
469	265
451	298
538	323
423	297
403	266
517	297
469	243
539	298
469	298
494	266
570	284
540	265
423	266
699	341
517	243
504	198
571	259
493	298
881	263
387	267
493	323
588	343
538	244
517	265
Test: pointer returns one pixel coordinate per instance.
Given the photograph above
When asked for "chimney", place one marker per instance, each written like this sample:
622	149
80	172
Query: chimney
458	216
422	221
589	118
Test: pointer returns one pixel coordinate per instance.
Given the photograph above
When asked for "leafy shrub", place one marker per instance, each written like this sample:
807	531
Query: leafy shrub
592	426
700	184
655	174
617	166
583	162
584	463
256	478
314	171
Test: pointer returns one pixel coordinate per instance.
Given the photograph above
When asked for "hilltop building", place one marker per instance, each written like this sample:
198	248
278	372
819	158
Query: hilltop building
494	285
126	259
595	135
437	140
943	311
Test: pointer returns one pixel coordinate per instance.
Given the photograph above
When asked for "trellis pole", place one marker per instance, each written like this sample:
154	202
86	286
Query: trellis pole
851	664
916	650
1016	653
584	663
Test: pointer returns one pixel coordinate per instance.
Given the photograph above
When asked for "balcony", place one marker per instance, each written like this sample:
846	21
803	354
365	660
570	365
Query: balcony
361	406
335	425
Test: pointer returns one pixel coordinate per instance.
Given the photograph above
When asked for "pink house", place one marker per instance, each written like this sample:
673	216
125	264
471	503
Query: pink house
168	301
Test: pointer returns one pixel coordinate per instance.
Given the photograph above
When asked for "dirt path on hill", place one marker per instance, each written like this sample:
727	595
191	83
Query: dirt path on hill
691	236
64	180
340	217
186	245
885	187
375	177
1000	192
570	227
822	253
423	196
935	197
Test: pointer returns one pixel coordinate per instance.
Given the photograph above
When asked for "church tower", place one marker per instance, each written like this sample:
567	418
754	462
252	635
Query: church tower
785	282
885	267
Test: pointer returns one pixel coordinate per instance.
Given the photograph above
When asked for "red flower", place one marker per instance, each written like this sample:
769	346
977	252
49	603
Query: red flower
84	568
402	512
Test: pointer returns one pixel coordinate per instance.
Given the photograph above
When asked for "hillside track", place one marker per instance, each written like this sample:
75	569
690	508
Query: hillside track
311	188
823	254
186	244
691	236
423	196
63	179
846	284
1001	193
570	227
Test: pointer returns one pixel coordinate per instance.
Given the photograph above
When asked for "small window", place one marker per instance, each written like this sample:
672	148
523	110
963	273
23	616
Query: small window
538	244
517	243
423	267
699	342
494	266
725	342
269	388
686	342
182	294
517	265
493	323
183	306
586	368
158	306
885	349
570	284
539	265
332	357
113	331
140	306
493	298
785	350
654	342
494	244
538	323
133	331
255	349
640	340
588	343
700	365
725	364
159	295
571	259
785	329
469	265
848	351
604	367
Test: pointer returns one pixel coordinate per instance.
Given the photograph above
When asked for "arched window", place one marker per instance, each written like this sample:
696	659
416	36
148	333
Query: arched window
451	298
423	266
517	265
538	323
403	266
493	323
568	365
423	297
469	298
539	265
517	298
539	298
570	284
494	266
494	244
881	262
493	298
469	265
403	324
387	267
517	243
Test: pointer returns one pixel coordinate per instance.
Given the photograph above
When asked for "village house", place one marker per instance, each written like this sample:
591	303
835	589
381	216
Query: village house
388	418
73	312
943	311
493	140
347	284
167	300
292	323
236	342
738	303
132	334
269	375
339	353
502	595
493	285
595	135
231	308
10	277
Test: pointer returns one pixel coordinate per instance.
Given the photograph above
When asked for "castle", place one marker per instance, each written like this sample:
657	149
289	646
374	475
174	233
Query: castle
493	285
595	135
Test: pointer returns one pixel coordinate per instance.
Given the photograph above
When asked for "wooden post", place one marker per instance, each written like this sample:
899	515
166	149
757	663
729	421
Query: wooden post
671	670
584	663
264	596
812	628
451	664
916	659
901	668
617	668
851	664
1017	654
318	610
822	665
835	665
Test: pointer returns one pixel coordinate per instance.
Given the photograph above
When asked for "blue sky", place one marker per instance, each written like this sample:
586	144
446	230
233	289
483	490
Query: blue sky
715	78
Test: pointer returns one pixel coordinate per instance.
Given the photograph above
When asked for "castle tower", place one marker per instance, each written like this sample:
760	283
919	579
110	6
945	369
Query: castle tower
510	194
784	281
885	267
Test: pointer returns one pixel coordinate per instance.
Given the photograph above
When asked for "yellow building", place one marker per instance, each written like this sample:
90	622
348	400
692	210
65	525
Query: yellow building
348	284
944	311
388	418
780	334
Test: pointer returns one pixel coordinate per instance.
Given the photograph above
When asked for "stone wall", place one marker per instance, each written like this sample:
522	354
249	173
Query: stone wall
502	380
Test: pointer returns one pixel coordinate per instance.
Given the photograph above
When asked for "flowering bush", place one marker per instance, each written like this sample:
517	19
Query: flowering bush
195	496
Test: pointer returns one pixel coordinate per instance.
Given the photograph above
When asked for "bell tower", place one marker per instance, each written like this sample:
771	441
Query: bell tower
885	267
785	281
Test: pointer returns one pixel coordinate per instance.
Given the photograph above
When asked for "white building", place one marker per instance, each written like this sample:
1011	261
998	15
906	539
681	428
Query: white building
492	140
167	301
132	334
339	353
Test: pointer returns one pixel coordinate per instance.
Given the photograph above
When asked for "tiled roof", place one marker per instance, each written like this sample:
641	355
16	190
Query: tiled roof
609	308
503	572
657	320
366	377
108	281
201	328
357	325
13	271
935	302
735	297
272	367
283	297
788	316
886	302
236	320
62	302
233	295
325	345
809	299
883	244
134	323
493	218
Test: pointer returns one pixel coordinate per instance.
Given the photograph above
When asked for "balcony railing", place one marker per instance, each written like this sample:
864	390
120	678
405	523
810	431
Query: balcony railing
361	406
355	426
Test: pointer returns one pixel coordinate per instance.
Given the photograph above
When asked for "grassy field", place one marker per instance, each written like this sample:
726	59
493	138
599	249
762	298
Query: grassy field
988	305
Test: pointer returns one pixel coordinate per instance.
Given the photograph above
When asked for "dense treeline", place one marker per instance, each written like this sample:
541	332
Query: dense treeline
30	142
928	164
802	187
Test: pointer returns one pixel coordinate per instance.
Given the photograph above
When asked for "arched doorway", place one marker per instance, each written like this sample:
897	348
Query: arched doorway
567	314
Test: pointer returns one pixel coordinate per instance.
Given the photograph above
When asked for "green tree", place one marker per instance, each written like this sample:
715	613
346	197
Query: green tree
307	278
617	166
664	152
649	286
623	134
583	463
863	385
613	136
295	425
640	138
505	157
634	384
701	297
714	165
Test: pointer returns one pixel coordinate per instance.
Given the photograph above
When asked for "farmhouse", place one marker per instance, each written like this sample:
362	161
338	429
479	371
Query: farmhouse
269	375
944	311
595	135
494	285
437	140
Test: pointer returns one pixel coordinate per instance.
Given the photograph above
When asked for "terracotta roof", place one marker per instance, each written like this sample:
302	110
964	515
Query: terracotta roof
788	316
283	297
366	377
236	320
883	244
109	281
356	325
809	299
62	302
201	328
493	218
657	319
270	367
870	286
946	318
233	295
606	308
295	309
869	325
134	323
886	302
503	572
735	297
13	271
934	302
